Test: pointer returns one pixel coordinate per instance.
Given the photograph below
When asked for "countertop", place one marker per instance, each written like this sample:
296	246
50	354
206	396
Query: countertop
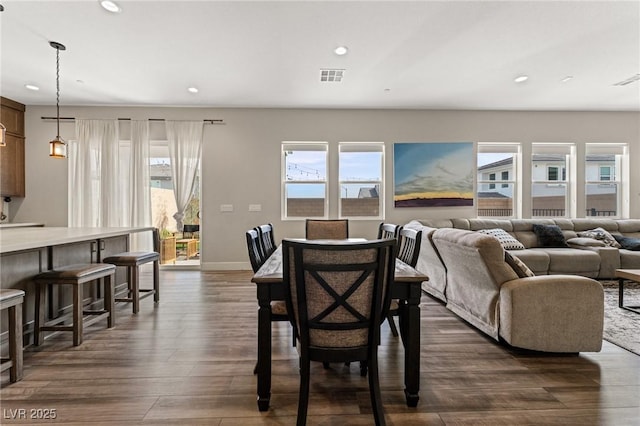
19	225
26	238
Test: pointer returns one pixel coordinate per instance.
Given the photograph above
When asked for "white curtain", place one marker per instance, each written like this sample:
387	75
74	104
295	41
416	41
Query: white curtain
93	175
109	180
185	143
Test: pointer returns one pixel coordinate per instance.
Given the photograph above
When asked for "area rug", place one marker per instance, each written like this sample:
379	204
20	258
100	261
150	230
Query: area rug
622	327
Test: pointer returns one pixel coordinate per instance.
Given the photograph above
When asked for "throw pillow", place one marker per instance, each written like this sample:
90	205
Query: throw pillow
600	234
518	266
507	241
628	243
549	236
585	242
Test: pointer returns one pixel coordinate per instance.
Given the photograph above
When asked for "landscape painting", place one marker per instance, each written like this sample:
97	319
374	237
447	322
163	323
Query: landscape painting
433	174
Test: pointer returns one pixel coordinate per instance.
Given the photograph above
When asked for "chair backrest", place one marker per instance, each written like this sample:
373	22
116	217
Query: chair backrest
338	292
253	246
409	246
190	229
388	230
267	239
320	229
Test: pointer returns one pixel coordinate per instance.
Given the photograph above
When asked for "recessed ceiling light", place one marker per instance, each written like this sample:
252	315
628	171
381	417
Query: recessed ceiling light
567	78
193	89
521	78
110	6
341	50
32	87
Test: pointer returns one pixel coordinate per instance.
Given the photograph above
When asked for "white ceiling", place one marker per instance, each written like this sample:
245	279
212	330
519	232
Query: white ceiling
423	54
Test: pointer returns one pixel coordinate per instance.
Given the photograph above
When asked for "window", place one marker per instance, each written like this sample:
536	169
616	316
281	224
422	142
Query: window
603	180
498	159
361	175
304	180
551	188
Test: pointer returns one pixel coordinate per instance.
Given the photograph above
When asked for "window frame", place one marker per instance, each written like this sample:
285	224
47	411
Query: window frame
365	147
567	175
618	174
321	146
515	177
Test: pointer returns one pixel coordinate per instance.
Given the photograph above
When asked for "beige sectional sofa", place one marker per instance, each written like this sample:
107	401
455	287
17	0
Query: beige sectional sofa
552	313
527	312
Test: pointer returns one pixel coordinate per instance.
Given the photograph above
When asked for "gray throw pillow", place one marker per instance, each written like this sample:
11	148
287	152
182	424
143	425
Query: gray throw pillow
628	243
549	236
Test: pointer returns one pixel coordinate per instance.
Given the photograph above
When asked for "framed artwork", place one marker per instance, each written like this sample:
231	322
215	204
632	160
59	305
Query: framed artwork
433	174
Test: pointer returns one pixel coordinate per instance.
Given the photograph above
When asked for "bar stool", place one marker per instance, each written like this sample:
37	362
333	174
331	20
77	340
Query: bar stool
12	299
132	261
76	276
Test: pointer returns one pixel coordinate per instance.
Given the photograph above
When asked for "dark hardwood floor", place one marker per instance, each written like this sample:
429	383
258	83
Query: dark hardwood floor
190	360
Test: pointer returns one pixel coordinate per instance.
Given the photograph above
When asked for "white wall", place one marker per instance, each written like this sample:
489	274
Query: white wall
241	159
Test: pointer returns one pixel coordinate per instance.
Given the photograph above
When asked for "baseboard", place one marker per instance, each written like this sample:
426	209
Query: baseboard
225	266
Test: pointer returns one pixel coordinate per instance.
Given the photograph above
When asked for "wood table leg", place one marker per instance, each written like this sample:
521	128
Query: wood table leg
264	348
410	325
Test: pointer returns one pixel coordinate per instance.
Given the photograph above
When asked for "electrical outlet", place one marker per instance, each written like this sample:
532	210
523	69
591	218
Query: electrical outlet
255	207
226	207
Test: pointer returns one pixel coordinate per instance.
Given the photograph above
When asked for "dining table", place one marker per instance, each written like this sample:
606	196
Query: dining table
405	287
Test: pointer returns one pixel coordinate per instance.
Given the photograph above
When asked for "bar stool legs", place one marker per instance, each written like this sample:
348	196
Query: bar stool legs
11	299
75	275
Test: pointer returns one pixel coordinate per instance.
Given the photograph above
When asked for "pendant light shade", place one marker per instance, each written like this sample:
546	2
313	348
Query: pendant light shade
57	147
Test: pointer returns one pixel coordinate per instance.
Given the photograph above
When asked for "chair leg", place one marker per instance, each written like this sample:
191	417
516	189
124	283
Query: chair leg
374	391
109	299
77	314
364	366
303	398
156	281
41	297
15	342
392	325
134	283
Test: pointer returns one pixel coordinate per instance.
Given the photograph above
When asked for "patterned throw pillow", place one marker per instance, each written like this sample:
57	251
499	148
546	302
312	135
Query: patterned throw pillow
507	241
549	236
518	266
602	235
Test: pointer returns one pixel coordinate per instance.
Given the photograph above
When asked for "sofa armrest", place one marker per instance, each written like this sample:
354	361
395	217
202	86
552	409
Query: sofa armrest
552	313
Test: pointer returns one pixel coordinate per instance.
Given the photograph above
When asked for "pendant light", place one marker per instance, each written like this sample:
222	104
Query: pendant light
57	147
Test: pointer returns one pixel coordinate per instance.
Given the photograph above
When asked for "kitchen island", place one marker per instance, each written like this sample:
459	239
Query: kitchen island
27	251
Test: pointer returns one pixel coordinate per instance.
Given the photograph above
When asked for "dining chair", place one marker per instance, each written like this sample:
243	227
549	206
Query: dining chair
408	250
322	229
338	295
278	308
267	240
388	230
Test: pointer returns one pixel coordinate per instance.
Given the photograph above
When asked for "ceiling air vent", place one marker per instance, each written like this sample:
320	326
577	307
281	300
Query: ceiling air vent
628	80
331	75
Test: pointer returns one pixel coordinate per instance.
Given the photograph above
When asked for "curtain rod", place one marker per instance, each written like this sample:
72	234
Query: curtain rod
206	121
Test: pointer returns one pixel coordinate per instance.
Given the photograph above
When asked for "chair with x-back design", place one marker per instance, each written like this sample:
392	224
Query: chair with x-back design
338	295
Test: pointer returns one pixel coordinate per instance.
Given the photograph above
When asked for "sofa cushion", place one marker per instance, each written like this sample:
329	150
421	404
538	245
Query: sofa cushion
629	259
549	235
628	243
536	259
518	266
573	261
507	241
600	234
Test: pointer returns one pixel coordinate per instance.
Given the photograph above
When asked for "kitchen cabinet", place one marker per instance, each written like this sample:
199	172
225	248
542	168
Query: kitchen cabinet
12	155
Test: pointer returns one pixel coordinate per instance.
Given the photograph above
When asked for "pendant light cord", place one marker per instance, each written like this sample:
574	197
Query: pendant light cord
58	90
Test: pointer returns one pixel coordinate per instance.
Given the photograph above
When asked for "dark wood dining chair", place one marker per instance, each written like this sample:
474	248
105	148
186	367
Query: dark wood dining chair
408	250
278	308
267	239
323	229
338	295
388	230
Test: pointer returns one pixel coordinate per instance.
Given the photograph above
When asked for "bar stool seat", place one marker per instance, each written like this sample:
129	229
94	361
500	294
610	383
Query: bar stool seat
75	275
132	261
12	299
